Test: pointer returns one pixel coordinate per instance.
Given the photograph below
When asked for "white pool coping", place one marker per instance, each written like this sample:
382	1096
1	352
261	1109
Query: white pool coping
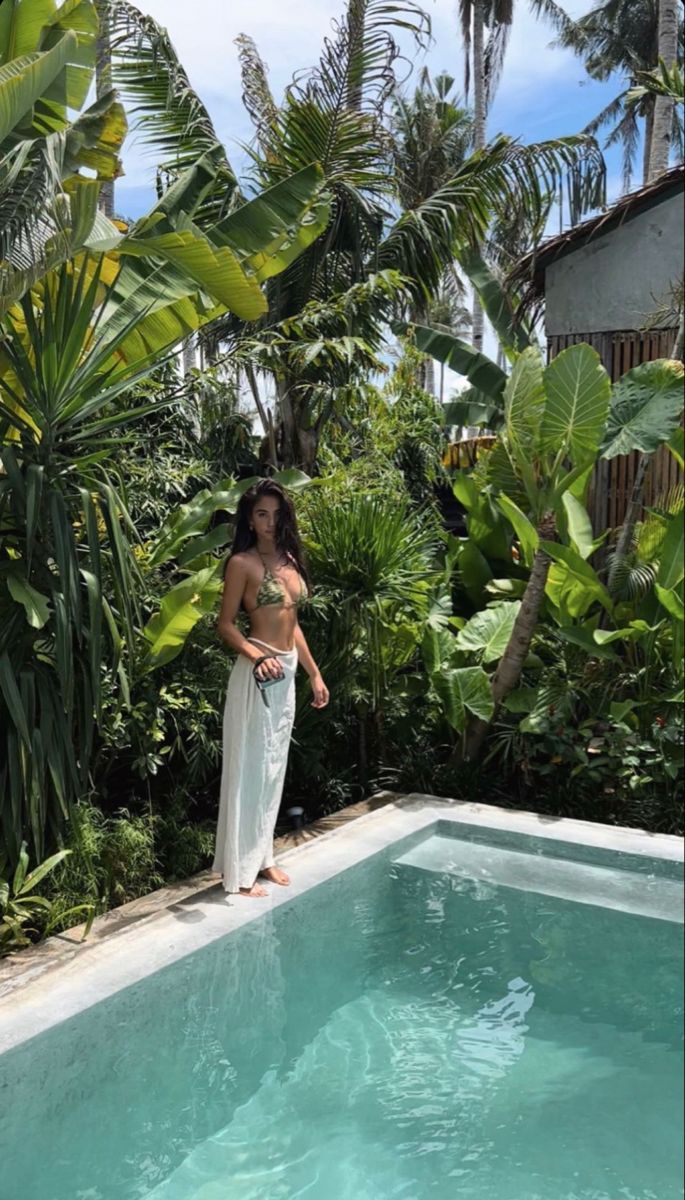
188	926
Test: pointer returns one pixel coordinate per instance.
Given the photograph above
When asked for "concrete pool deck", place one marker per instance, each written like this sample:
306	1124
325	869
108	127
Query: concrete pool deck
46	985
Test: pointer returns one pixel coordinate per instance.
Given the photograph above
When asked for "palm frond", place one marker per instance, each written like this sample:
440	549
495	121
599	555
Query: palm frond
495	50
356	66
627	135
170	116
257	97
501	176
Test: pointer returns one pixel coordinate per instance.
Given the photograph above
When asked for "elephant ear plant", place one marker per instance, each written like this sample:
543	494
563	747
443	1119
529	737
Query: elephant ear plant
558	421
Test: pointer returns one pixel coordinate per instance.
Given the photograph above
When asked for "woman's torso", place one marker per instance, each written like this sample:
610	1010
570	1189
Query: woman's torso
271	600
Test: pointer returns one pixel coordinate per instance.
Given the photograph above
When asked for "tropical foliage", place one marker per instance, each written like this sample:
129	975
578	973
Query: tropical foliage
513	648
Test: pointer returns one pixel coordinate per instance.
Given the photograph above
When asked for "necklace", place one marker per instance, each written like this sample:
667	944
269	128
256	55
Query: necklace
283	562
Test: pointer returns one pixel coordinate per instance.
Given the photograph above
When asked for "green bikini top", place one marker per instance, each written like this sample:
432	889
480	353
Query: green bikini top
271	591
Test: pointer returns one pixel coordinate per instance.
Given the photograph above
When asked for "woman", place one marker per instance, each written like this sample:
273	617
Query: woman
265	576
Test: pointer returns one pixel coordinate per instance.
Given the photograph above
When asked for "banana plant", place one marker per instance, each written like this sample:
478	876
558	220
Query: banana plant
70	350
54	153
557	422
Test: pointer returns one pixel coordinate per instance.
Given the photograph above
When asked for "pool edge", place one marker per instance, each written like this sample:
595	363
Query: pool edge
194	914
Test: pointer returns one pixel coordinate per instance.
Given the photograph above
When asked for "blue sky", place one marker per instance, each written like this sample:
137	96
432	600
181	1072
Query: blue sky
543	92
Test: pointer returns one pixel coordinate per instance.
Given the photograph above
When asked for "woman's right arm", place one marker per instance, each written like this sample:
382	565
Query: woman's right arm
234	590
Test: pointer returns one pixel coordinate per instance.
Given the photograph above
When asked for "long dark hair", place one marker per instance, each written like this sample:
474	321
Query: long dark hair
287	535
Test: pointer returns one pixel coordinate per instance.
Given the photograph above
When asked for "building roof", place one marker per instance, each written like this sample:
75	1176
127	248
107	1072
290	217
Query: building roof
530	271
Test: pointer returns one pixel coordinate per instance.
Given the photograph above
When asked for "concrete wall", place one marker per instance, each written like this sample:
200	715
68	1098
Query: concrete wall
619	278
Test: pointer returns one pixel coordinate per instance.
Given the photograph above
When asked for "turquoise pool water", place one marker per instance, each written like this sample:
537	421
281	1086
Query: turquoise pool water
411	1028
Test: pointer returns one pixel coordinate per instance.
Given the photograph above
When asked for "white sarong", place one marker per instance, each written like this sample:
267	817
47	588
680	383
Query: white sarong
256	740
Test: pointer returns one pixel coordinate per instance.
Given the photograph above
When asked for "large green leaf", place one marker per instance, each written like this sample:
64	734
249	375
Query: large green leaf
24	80
191	520
498	305
185	278
672	602
215	270
480	370
581	636
578	392
488	632
462	690
525	531
439	650
272	230
474	571
646	408
579	525
182	607
35	605
524	402
572	584
672	557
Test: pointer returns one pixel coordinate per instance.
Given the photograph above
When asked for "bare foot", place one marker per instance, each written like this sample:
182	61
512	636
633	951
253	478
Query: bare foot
255	890
276	875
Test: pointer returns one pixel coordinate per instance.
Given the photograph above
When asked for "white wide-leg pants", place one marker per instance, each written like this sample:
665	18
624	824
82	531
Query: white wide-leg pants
256	740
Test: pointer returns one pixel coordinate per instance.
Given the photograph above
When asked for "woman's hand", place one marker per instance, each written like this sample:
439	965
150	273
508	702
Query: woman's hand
321	694
271	667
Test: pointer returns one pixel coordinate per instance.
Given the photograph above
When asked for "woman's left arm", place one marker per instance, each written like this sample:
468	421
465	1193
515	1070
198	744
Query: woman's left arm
304	654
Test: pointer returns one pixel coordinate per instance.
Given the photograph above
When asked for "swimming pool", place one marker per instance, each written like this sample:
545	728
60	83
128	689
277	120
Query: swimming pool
467	1011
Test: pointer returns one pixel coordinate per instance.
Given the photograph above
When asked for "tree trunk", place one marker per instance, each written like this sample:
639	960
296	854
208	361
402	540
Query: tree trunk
288	429
479	108
363	763
299	445
103	84
189	354
479	121
381	739
508	673
679	343
625	538
426	371
663	107
649	135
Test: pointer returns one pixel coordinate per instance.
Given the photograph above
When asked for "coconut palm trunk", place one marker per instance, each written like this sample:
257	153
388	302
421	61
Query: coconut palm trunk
426	371
479	124
663	107
649	135
103	84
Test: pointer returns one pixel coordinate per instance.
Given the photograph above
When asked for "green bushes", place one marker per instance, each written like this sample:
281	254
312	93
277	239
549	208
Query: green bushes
407	623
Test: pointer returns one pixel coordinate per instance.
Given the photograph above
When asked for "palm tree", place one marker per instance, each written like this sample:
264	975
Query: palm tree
483	60
622	37
337	114
432	135
664	106
375	561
